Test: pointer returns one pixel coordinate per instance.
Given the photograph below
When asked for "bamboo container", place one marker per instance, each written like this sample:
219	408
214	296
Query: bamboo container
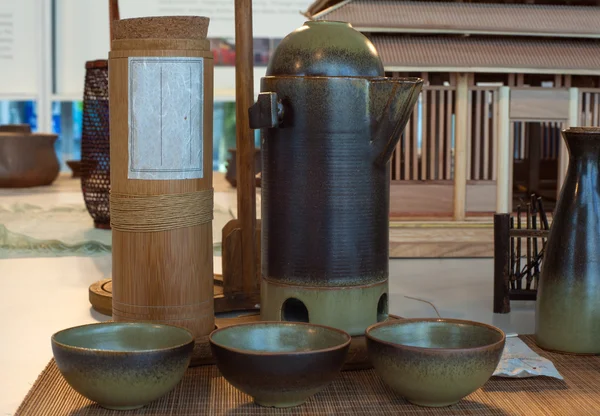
161	276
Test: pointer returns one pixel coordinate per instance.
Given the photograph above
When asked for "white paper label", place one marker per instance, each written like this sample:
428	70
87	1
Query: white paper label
166	110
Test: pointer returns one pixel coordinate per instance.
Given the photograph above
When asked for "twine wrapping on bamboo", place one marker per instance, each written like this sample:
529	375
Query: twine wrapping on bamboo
153	213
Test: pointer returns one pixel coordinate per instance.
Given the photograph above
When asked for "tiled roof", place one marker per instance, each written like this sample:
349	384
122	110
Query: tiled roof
450	17
320	5
488	54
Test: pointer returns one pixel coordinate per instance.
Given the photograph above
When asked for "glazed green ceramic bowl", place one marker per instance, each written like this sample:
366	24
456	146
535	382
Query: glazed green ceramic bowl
279	364
123	365
434	362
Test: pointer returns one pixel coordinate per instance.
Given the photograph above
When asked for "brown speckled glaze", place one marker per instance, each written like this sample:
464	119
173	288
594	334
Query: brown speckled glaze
568	298
327	110
434	362
123	365
279	364
341	148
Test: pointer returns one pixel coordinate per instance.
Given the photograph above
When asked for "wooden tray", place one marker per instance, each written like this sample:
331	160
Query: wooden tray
100	295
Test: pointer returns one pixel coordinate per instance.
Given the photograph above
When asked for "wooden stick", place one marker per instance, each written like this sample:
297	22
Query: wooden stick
415	141
476	138
246	182
448	137
543	217
399	153
432	134
113	14
424	140
528	266
441	122
487	137
596	114
543	224
406	153
588	110
536	270
518	274
512	272
501	263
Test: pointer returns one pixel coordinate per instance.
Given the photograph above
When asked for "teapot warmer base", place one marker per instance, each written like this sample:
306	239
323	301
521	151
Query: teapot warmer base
101	300
326	305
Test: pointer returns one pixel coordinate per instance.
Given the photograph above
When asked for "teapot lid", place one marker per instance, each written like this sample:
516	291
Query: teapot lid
324	48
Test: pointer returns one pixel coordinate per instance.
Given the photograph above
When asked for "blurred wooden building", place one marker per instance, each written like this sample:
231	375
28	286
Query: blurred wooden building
502	79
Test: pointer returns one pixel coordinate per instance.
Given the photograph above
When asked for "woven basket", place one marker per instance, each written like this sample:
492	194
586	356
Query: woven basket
95	144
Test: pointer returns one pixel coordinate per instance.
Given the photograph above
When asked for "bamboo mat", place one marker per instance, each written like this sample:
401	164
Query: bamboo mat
204	392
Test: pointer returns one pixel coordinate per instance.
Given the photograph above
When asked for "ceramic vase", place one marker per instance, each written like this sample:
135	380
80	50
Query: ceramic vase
568	300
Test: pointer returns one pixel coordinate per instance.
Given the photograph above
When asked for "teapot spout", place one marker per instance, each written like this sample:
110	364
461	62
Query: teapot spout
392	101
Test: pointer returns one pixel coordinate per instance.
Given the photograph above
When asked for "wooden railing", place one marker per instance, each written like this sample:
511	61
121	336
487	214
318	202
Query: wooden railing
481	160
550	143
425	149
589	107
588	115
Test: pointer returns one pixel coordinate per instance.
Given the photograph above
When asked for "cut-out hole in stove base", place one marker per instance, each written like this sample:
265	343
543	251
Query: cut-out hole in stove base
293	310
382	308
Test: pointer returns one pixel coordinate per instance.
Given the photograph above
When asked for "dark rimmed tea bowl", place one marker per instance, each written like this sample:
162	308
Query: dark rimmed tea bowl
434	362
279	364
123	366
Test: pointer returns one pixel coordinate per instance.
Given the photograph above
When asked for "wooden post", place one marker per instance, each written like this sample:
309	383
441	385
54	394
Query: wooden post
113	14
503	156
501	262
460	146
246	181
241	236
563	154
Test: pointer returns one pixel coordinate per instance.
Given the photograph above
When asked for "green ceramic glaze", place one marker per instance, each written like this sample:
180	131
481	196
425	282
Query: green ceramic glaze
279	364
325	49
568	298
123	366
334	306
434	362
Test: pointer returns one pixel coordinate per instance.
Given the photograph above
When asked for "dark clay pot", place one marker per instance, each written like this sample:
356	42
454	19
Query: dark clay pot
568	299
27	159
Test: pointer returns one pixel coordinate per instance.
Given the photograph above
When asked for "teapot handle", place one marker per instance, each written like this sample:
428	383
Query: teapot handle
267	112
